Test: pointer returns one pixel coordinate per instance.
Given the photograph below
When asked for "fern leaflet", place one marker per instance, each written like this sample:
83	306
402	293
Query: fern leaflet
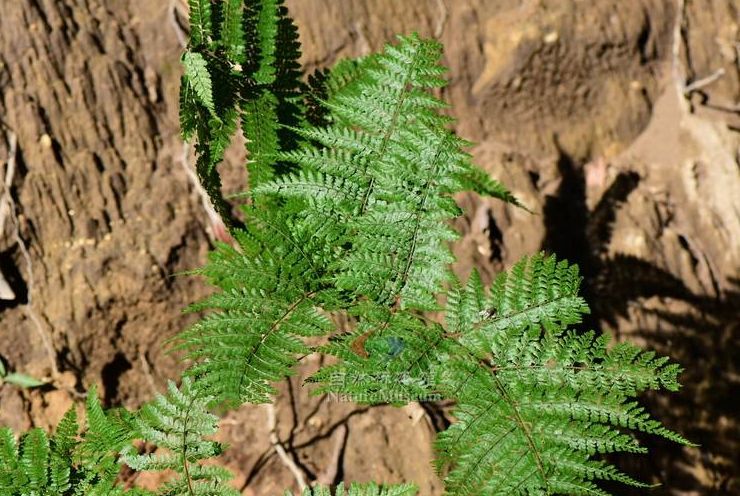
179	424
270	296
537	401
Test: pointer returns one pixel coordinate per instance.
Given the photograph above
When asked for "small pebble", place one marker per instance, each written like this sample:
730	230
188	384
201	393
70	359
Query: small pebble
45	141
551	37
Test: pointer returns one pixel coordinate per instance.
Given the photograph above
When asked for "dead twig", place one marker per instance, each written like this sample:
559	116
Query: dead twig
361	41
444	15
182	38
5	198
700	83
148	373
6	292
219	230
10	210
416	412
676	65
280	450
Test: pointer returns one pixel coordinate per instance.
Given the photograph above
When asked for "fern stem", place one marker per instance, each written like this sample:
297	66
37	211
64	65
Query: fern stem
525	430
185	465
391	128
275	325
417	224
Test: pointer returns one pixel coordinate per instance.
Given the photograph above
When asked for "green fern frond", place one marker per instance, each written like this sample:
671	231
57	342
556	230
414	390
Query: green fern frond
383	172
476	180
70	463
200	22
207	112
189	108
9	468
272	290
390	169
325	84
260	128
232	31
389	358
108	432
179	424
63	445
536	402
368	489
234	78
34	460
537	290
267	31
199	79
274	105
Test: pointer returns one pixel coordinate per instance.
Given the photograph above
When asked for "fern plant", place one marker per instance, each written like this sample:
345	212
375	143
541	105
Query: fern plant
69	463
353	177
536	401
180	423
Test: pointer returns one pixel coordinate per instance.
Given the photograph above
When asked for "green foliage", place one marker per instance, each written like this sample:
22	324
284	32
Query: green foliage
88	463
200	22
232	31
241	65
17	378
389	358
179	423
70	463
385	170
207	101
198	78
382	172
535	401
274	104
269	301
351	216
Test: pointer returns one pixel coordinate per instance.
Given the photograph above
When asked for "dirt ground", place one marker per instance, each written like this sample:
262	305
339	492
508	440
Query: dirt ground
616	122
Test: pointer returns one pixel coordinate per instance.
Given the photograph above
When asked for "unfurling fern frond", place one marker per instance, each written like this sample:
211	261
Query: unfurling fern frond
179	424
369	489
536	402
